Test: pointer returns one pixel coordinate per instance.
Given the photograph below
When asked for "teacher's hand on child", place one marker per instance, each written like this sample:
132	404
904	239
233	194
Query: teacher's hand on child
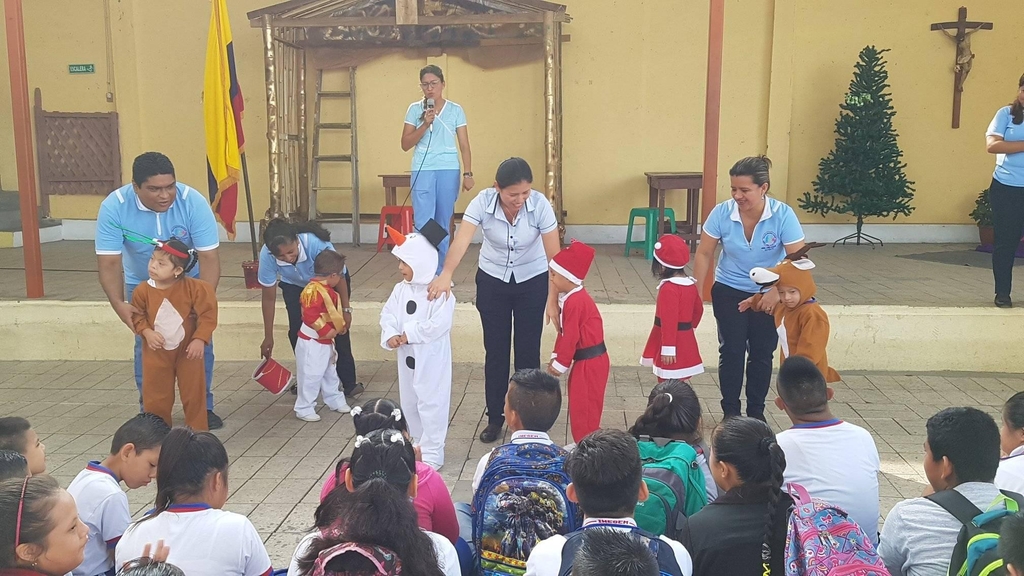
195	349
442	285
746	304
267	347
125	310
768	301
154	339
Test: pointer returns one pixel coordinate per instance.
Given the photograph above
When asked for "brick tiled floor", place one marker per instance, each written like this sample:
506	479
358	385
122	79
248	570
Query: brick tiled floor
845	275
278	462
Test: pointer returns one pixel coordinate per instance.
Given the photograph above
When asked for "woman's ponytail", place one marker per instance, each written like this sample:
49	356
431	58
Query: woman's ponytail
778	466
1017	109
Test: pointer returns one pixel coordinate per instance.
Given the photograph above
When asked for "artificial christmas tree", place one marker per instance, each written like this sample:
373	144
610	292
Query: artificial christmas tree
863	175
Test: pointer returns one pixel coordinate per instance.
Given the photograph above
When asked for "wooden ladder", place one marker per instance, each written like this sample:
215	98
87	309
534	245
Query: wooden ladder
352	158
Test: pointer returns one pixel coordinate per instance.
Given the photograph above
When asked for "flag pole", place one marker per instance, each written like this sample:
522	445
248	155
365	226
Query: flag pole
248	203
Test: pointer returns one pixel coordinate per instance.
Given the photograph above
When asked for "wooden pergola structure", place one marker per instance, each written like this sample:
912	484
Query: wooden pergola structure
293	28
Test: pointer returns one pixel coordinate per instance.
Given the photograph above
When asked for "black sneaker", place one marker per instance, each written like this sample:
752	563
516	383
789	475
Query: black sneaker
1003	301
355	391
213	422
490	433
294	389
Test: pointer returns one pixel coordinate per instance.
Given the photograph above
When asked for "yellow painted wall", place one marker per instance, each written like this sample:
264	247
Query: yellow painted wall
634	81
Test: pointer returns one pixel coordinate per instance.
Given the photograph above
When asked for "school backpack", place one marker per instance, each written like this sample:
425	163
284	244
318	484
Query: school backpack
822	540
976	552
520	501
675	482
667	564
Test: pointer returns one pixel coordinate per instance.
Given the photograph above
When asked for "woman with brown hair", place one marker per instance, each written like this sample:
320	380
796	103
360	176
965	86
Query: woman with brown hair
1005	139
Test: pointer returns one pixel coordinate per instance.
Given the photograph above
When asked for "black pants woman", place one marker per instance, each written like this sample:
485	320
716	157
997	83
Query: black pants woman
1005	139
520	235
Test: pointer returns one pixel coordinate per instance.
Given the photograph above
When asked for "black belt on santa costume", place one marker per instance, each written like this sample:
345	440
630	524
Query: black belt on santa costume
589	352
682	325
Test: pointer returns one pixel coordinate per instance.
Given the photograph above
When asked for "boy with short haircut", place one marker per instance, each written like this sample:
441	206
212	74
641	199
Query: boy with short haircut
1011	544
834	460
16	434
961	453
102	505
315	356
12	465
532	404
580	343
419	330
607	483
605	552
802	324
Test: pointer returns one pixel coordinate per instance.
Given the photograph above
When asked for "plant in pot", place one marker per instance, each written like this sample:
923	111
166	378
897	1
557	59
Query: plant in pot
982	216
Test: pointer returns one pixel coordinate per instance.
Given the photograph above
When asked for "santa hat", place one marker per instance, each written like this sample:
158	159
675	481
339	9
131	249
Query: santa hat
573	262
671	251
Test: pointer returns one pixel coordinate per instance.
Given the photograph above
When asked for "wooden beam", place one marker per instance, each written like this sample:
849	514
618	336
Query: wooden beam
398	45
26	165
712	118
407	12
453	20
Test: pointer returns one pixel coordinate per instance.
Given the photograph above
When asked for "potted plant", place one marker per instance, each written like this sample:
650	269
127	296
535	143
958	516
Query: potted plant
982	215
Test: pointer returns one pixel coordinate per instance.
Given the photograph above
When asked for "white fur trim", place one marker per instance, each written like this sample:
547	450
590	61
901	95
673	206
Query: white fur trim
657	245
561	369
663	263
679	281
558	268
648	362
668	350
680	373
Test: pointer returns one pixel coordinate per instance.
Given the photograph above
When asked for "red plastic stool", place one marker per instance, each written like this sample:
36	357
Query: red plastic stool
404	216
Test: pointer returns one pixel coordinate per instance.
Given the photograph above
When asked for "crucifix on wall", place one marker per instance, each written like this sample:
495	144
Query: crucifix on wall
960	32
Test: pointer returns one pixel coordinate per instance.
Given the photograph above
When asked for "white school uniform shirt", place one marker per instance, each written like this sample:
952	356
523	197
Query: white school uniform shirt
447	557
546	558
837	462
1010	475
103	508
203	541
518	437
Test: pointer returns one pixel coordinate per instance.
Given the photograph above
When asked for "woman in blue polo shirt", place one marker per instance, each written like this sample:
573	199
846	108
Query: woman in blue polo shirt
432	126
286	260
520	236
1005	139
753	230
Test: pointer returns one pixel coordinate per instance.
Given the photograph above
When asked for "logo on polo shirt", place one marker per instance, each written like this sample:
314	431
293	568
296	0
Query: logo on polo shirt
770	240
179	232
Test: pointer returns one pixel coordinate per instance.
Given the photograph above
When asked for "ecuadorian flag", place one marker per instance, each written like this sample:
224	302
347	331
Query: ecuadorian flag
222	113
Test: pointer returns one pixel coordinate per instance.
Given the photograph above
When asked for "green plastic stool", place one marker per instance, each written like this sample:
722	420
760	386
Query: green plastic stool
650	216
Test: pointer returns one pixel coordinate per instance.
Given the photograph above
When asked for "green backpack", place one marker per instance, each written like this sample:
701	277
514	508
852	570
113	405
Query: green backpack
976	552
675	482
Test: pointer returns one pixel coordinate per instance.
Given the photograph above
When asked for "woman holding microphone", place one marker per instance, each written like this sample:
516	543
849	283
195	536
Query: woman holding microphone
432	126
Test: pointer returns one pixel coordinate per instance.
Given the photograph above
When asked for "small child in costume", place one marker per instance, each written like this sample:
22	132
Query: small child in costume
315	357
177	317
672	346
419	329
579	348
802	324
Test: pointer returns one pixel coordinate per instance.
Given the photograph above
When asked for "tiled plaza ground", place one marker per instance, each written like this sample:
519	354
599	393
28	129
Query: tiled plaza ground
278	462
845	275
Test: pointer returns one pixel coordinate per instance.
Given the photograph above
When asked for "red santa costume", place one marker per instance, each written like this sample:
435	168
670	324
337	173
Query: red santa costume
676	316
580	348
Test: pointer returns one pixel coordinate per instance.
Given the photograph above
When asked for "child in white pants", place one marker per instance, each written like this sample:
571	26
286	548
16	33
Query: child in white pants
315	356
420	330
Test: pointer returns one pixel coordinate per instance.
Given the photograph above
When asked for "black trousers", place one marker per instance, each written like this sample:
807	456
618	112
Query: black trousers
1008	225
509	310
746	338
342	342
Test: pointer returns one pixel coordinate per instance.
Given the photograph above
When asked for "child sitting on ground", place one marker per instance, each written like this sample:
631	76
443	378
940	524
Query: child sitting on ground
12	465
42	535
672	346
802	324
432	501
420	330
835	461
176	317
1010	475
580	343
607	483
669	436
1011	544
606	552
315	356
102	505
17	434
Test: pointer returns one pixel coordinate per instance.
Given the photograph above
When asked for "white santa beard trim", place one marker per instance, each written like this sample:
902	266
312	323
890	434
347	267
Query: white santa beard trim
666	264
565	273
680	373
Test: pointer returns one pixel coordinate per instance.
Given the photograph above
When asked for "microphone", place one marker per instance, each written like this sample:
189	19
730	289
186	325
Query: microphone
430	106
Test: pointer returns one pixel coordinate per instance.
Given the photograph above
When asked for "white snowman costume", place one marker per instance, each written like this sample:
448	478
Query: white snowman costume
425	362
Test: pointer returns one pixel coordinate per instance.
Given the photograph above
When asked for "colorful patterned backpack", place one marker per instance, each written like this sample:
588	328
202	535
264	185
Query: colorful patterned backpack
822	540
520	501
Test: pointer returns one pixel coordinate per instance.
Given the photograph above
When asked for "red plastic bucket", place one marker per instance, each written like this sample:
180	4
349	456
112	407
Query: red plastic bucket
272	376
251	272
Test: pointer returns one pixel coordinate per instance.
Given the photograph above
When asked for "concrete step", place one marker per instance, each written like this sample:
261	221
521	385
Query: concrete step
10	214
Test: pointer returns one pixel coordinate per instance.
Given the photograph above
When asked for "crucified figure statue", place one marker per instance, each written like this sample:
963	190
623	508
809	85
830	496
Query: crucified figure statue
964	55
